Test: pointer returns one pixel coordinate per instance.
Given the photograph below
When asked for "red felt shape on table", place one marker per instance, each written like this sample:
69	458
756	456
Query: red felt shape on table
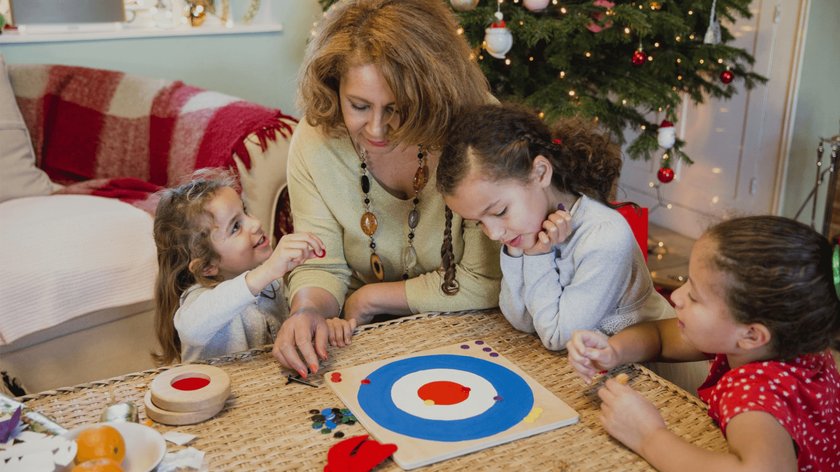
357	454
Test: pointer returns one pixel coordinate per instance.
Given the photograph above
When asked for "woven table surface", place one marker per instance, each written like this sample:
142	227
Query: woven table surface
266	422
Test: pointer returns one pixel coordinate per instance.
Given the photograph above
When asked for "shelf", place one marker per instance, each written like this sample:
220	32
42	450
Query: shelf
12	37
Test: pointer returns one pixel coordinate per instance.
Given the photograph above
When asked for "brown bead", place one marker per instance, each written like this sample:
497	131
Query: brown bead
376	267
369	223
420	178
413	218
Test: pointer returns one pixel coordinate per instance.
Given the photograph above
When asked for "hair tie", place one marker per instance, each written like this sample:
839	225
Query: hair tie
557	141
835	269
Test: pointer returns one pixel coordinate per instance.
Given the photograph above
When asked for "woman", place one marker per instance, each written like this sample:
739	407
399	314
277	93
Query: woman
380	83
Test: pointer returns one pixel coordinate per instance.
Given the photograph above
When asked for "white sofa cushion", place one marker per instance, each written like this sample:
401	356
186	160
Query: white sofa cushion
19	177
67	255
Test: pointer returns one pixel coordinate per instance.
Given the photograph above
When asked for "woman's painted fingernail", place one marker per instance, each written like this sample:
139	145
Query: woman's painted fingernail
562	207
321	253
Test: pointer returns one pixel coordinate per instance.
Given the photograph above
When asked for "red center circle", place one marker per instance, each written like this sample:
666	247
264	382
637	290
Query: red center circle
190	383
443	392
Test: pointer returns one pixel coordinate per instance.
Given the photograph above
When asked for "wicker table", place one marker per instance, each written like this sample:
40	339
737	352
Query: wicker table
266	423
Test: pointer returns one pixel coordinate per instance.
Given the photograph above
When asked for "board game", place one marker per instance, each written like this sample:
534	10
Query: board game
438	404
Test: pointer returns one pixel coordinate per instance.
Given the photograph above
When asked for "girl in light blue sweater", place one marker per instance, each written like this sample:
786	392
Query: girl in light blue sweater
569	260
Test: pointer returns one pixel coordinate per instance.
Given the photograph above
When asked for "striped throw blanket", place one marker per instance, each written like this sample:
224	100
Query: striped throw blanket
119	135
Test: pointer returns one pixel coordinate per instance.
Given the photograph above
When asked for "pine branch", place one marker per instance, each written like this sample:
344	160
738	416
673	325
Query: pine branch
559	67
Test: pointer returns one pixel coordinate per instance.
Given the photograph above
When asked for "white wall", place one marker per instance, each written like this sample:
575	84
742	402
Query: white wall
768	134
817	111
259	67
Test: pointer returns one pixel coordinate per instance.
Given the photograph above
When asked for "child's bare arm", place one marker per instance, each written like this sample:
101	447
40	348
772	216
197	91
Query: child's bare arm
757	442
654	340
590	351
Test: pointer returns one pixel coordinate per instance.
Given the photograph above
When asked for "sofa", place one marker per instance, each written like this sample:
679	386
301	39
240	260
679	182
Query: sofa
82	153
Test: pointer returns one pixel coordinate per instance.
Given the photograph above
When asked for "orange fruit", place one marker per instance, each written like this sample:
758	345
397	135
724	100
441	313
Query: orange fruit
100	442
98	465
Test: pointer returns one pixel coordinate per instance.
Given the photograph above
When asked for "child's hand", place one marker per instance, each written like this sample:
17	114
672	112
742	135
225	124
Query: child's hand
340	331
291	251
627	415
590	352
295	248
555	229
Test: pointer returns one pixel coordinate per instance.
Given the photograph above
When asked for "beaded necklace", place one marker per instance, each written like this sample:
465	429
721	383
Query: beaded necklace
369	223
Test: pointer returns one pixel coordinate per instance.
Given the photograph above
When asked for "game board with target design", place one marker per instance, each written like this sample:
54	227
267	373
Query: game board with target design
442	403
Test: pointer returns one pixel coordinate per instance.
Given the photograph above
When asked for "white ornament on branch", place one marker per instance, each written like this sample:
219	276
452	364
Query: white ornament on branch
713	31
666	136
463	5
535	5
497	38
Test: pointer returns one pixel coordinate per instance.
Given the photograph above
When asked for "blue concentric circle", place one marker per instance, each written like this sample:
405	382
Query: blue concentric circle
516	399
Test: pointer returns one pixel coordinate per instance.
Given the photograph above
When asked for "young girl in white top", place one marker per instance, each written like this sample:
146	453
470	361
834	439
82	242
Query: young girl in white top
763	300
218	290
569	260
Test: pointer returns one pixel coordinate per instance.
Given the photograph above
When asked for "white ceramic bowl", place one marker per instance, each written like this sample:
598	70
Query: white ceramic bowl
144	446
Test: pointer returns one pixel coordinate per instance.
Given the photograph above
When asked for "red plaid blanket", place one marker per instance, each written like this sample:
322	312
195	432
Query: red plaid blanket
118	135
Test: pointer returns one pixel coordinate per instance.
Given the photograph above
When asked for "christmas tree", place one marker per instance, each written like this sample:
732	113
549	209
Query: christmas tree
617	62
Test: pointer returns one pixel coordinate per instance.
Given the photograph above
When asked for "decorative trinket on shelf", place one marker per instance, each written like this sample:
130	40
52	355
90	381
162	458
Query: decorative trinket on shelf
197	12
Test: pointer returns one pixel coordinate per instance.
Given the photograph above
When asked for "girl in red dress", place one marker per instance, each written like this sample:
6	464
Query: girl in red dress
763	303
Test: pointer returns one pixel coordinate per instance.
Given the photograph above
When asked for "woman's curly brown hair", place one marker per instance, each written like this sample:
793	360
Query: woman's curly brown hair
417	48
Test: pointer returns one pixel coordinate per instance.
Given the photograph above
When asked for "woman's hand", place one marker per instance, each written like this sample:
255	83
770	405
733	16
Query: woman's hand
555	229
627	415
590	352
306	333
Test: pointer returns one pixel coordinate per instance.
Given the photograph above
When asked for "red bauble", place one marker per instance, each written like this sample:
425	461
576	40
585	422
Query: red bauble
639	57
665	175
726	76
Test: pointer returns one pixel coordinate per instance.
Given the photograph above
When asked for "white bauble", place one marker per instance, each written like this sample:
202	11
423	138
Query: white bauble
498	41
666	137
463	5
535	5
